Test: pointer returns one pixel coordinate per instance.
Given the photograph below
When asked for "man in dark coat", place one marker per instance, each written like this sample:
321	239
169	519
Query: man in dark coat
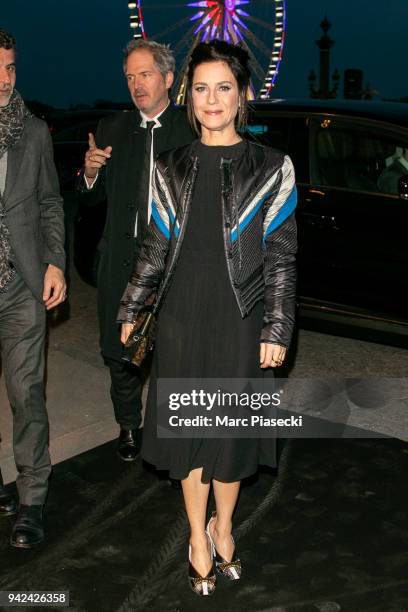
118	167
32	281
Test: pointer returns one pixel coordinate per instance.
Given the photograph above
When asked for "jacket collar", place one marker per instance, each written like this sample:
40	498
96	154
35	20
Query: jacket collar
156	119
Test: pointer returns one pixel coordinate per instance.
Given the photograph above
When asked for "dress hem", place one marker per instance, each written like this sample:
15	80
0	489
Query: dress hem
178	476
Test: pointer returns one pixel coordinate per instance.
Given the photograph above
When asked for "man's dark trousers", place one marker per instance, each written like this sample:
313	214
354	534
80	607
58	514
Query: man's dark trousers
22	335
126	393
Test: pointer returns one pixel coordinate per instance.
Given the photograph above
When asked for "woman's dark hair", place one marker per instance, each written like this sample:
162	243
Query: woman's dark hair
237	59
7	41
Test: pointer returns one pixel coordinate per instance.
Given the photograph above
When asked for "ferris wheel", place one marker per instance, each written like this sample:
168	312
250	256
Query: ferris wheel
257	25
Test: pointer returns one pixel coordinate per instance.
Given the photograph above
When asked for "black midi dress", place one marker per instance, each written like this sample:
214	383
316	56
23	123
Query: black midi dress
201	334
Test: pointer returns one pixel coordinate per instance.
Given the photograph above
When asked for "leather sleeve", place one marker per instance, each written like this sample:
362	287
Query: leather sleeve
280	284
150	265
280	267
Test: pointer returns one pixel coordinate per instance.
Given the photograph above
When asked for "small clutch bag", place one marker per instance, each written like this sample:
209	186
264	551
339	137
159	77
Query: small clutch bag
141	339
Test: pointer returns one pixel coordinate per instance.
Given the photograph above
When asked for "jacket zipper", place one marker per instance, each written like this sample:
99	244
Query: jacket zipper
226	194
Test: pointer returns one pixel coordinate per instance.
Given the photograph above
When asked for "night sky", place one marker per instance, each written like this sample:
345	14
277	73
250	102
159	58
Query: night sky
71	51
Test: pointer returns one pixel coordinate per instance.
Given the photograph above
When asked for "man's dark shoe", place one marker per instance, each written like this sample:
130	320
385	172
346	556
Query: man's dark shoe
8	503
129	443
28	529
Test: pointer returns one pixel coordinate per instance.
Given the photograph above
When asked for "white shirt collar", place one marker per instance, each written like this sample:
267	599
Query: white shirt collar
403	161
145	119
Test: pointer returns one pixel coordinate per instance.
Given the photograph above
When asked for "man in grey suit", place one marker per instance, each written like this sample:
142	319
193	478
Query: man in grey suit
31	281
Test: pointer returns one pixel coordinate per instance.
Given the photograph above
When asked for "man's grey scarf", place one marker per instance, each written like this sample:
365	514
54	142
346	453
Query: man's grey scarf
12	119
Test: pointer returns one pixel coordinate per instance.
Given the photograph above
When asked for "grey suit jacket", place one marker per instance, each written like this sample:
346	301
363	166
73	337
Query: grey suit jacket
34	207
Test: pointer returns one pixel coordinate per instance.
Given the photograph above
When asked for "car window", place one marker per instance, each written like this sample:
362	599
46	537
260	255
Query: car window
287	134
299	148
273	132
355	157
69	134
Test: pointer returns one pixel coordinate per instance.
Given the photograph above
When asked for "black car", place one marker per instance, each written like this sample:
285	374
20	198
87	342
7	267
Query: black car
352	213
69	131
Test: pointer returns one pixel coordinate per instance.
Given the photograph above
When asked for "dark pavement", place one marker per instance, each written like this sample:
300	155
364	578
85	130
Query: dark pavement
328	533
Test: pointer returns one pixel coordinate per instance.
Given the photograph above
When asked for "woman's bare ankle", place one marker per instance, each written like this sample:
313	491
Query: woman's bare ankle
222	531
198	541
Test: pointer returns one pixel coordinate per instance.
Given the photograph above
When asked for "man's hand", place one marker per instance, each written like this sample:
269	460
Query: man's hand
54	287
95	158
126	329
271	355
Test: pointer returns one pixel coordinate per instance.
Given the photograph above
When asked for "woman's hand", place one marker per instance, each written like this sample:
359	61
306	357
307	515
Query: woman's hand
126	329
271	355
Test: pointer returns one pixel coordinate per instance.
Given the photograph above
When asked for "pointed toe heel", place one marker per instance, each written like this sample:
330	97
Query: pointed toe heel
228	569
204	586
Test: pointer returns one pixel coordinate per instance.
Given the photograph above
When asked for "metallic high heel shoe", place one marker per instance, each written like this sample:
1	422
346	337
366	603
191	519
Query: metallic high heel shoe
229	569
201	585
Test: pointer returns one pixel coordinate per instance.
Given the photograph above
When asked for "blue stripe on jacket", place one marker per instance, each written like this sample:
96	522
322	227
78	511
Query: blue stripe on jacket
159	221
245	222
284	212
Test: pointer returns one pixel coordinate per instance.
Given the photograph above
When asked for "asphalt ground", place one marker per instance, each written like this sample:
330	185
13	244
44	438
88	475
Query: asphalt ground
327	533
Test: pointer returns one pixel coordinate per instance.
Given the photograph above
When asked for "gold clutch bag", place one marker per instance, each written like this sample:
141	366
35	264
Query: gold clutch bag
141	339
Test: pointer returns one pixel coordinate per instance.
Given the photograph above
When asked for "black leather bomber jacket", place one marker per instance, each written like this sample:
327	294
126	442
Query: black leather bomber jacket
258	198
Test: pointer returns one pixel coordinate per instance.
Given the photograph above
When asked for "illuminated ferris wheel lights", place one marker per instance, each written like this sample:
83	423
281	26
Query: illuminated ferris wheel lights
227	20
243	13
204	4
197	16
202	24
238	20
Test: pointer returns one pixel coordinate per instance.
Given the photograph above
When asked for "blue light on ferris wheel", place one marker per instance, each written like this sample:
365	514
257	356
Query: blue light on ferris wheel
202	24
241	23
239	34
197	16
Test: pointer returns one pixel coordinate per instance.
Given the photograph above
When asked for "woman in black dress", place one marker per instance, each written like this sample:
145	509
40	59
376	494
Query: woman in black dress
220	257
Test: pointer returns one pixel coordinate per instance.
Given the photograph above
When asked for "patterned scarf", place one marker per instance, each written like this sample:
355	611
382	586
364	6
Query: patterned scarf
12	119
